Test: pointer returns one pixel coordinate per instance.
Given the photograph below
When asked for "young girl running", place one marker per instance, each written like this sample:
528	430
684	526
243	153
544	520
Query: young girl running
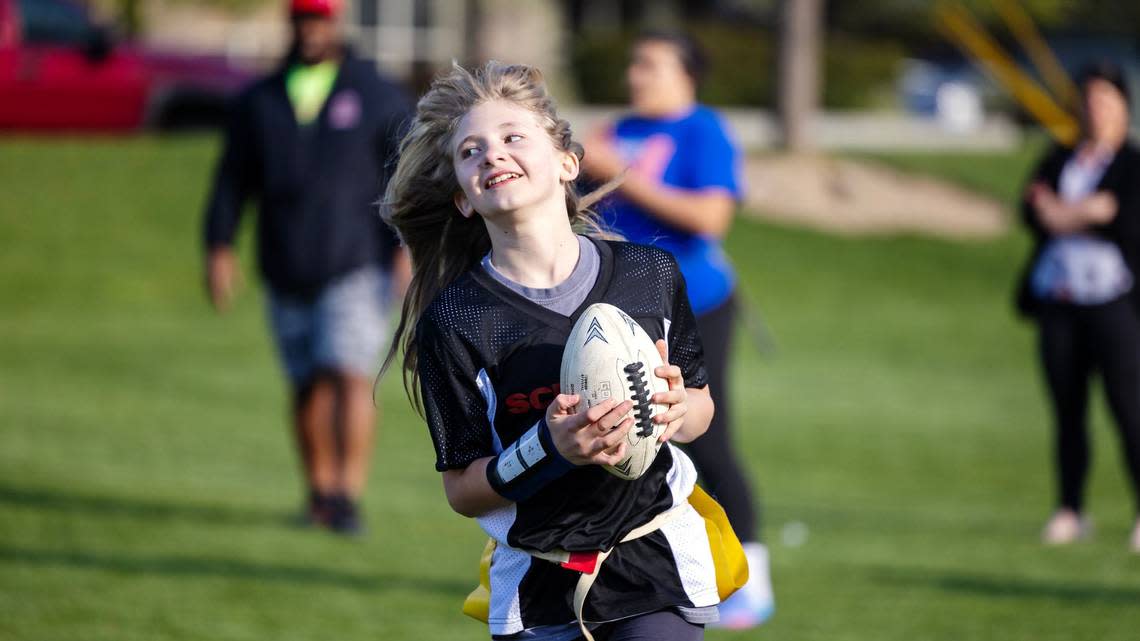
483	198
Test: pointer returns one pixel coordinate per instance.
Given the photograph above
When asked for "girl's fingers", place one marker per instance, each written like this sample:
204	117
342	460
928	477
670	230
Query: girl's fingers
670	431
596	412
608	458
610	450
676	412
566	401
672	397
672	374
563	404
616	436
614	417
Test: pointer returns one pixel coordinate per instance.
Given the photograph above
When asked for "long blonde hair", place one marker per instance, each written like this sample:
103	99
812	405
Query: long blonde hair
419	200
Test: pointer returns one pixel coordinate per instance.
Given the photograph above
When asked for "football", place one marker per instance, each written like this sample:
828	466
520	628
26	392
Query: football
608	355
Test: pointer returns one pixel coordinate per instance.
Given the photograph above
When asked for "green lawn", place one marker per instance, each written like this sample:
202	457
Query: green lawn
147	478
998	174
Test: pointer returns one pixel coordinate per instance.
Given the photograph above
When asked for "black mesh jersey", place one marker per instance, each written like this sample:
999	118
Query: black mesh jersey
489	362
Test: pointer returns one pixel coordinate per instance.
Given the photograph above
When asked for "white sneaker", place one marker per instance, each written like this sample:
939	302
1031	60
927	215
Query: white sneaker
1064	527
1134	541
752	604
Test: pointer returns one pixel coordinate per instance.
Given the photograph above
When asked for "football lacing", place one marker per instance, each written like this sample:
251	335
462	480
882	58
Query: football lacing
643	415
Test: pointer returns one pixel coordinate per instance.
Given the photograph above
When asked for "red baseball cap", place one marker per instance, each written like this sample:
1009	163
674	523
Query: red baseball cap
326	8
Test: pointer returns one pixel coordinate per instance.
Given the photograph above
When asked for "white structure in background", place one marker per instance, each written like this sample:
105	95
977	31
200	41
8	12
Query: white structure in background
400	34
406	36
958	107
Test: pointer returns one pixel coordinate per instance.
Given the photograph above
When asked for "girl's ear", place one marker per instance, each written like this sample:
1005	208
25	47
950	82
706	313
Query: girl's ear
571	167
462	204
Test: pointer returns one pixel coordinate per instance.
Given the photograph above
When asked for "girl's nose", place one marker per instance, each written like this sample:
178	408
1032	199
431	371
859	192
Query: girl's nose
494	153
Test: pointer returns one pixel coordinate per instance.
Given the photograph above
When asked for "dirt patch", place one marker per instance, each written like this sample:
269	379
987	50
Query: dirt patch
853	197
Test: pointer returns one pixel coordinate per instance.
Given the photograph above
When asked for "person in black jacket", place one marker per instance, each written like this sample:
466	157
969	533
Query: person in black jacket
1083	208
312	143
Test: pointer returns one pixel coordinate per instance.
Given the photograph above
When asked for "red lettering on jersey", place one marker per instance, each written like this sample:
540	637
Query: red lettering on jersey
517	404
536	400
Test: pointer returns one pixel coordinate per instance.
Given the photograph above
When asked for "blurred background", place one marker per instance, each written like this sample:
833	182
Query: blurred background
888	397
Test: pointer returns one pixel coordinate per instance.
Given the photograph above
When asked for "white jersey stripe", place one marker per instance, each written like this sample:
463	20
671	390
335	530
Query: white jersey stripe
488	391
508	567
689	541
687	536
682	475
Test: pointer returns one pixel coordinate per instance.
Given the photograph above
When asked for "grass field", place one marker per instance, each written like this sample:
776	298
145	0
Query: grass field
147	480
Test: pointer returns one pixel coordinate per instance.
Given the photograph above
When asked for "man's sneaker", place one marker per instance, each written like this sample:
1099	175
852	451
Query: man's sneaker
1064	527
345	516
316	512
1134	541
752	604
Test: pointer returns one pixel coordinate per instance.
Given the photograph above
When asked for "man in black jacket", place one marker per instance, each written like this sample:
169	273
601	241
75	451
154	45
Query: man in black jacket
312	143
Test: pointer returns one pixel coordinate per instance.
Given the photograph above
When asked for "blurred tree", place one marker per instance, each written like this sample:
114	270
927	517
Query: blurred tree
801	29
910	20
235	5
130	16
860	72
1112	16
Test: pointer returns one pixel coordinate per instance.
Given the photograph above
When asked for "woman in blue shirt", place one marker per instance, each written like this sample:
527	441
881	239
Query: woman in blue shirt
679	193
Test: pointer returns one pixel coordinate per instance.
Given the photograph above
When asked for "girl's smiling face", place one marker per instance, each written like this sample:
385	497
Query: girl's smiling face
505	161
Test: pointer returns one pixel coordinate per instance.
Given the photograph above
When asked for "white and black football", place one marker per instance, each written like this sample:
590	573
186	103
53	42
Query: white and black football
608	355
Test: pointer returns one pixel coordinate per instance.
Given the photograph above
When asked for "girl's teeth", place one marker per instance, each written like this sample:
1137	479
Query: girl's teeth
498	179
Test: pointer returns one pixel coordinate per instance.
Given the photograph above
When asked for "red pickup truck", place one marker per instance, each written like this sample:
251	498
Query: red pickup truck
60	70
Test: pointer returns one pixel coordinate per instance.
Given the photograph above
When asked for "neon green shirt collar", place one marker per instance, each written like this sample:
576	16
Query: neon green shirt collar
308	87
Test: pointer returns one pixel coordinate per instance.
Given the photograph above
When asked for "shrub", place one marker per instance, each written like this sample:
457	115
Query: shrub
742	67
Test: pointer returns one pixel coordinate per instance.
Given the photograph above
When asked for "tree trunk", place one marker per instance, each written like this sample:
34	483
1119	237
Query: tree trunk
131	17
799	73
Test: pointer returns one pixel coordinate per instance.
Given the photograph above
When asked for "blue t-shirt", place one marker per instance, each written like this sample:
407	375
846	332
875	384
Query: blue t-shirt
692	151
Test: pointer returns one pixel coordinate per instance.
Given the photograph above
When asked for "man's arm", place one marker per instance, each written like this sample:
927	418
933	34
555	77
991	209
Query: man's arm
233	183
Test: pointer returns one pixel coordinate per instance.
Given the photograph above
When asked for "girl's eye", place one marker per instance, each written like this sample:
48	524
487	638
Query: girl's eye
513	138
467	152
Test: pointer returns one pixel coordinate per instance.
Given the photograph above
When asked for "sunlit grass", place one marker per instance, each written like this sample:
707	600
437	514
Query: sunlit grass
147	479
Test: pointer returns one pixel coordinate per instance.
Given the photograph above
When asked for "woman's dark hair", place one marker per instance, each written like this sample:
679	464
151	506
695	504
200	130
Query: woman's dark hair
1107	71
692	55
